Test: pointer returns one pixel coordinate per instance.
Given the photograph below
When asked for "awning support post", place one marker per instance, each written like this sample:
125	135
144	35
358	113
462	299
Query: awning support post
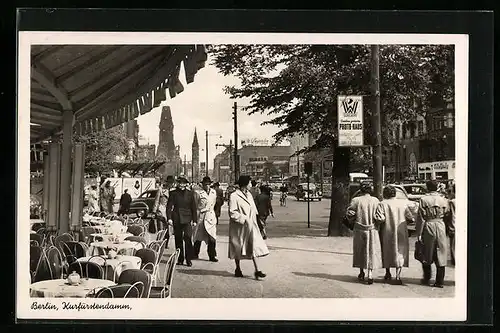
66	168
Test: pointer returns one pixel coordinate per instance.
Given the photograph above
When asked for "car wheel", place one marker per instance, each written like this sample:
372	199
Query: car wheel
141	213
319	199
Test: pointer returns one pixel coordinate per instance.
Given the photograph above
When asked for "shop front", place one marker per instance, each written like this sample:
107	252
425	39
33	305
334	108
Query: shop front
441	170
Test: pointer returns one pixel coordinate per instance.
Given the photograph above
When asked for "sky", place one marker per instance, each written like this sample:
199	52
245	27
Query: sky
204	105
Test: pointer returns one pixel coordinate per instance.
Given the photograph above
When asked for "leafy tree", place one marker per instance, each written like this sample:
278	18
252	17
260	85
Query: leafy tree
298	85
102	148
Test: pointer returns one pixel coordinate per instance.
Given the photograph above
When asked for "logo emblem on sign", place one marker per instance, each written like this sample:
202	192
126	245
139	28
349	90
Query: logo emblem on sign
350	107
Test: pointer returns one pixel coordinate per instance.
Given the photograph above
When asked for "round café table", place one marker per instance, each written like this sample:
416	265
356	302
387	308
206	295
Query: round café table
61	288
118	264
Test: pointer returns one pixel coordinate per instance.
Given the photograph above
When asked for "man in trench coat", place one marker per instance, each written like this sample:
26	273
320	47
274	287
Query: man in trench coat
181	212
431	230
206	228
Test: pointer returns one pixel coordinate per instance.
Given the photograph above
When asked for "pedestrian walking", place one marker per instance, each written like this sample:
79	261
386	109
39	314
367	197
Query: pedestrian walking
160	207
181	213
245	240
392	215
206	229
125	201
366	242
264	209
431	231
93	200
254	190
219	201
108	197
450	223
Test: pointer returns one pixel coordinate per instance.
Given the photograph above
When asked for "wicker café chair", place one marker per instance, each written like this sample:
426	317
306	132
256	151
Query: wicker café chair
122	291
43	270
135	230
165	291
87	269
132	276
74	250
35	254
38	238
56	262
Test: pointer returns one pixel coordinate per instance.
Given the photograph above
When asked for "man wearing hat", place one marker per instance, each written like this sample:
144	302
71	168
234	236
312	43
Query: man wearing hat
206	228
181	212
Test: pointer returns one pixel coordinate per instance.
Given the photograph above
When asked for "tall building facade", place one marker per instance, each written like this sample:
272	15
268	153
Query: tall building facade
195	153
423	148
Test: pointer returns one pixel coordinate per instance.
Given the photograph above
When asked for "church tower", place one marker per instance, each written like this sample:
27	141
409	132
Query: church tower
196	158
166	146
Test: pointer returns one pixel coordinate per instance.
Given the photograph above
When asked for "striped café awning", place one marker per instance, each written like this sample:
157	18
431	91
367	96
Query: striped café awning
104	85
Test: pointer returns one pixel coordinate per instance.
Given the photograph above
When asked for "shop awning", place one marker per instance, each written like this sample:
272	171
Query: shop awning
104	85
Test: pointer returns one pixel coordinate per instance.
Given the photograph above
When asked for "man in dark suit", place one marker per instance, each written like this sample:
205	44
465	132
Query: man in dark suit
181	212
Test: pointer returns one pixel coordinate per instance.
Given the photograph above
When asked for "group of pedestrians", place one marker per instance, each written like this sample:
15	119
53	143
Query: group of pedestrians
194	212
381	239
102	199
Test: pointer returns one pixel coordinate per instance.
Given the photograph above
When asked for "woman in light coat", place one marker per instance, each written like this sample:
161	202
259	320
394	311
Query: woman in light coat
245	240
392	215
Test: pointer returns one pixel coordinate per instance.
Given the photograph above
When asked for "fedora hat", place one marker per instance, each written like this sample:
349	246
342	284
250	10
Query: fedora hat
182	179
206	180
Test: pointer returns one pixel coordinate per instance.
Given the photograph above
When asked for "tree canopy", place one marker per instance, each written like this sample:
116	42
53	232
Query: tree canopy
102	148
297	85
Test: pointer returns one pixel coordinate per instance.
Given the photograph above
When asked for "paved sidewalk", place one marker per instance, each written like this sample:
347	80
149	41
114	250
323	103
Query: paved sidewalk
297	267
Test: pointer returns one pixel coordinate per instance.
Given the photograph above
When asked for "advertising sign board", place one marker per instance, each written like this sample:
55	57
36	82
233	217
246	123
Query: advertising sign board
350	121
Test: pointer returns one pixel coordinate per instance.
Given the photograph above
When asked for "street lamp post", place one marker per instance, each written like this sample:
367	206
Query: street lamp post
206	149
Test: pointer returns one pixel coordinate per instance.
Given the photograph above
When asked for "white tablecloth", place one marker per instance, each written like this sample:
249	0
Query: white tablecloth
105	237
108	228
125	261
125	245
37	221
60	288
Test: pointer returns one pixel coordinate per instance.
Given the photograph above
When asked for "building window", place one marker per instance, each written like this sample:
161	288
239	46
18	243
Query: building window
420	128
404	131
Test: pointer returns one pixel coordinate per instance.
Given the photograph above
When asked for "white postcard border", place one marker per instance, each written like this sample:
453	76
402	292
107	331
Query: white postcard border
404	309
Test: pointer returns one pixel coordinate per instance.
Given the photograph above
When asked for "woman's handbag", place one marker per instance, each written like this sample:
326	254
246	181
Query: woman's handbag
348	222
419	251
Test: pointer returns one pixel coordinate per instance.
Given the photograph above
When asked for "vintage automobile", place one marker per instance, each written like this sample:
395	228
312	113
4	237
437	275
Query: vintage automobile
415	191
401	194
312	194
143	204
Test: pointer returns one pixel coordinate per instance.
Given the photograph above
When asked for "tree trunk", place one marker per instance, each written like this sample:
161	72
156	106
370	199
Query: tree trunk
340	192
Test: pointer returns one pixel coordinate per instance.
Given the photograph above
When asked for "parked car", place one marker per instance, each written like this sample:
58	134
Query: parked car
401	194
415	191
312	194
143	204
